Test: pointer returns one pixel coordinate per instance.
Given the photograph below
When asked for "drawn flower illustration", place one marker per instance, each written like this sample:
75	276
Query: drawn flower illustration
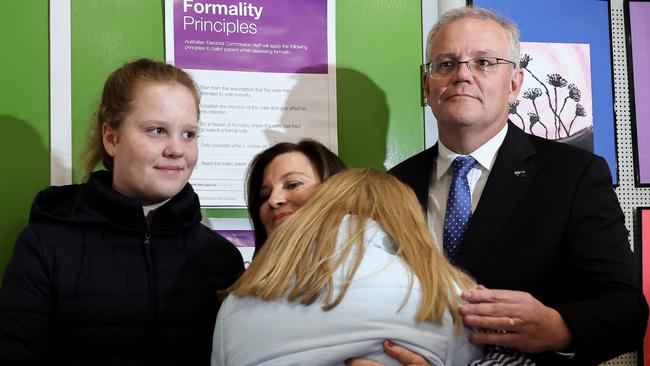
534	119
580	112
524	60
556	80
532	93
547	99
512	107
574	93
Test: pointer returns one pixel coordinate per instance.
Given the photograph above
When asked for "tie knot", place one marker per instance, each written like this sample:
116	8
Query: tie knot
462	164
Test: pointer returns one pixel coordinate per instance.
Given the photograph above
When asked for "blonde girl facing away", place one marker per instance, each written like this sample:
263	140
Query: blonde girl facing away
353	267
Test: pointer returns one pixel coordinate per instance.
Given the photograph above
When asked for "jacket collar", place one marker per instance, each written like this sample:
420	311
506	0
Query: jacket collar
180	211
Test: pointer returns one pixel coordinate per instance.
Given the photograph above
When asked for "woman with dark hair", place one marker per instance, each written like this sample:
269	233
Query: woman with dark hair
281	178
354	266
119	270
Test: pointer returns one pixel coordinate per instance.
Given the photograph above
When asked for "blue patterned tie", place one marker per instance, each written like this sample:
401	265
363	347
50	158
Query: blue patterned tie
459	206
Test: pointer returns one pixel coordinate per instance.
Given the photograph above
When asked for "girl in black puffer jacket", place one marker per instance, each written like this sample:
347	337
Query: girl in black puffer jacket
119	270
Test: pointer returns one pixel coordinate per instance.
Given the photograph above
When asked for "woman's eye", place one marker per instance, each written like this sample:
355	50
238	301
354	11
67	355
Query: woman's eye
293	185
189	135
157	131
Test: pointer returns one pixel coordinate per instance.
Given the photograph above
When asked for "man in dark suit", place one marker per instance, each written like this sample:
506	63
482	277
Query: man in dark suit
546	227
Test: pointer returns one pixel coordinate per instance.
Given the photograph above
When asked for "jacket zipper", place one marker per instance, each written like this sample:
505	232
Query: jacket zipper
147	252
152	326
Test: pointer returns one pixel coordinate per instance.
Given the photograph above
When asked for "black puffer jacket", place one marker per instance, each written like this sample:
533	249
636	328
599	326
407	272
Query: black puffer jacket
90	283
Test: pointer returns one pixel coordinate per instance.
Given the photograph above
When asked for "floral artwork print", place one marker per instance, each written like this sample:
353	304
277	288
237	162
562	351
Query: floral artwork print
555	101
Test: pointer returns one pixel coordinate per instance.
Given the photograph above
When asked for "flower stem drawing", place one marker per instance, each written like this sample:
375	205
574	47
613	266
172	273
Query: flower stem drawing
563	92
513	110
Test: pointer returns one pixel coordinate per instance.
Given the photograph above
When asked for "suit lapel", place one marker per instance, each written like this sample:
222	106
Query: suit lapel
507	182
420	183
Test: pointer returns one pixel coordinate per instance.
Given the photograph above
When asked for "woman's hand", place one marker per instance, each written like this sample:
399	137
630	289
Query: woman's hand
401	354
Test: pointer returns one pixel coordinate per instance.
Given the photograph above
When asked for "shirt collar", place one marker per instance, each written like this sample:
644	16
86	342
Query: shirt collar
484	155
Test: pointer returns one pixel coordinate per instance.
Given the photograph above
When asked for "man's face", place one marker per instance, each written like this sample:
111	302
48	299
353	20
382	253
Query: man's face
461	102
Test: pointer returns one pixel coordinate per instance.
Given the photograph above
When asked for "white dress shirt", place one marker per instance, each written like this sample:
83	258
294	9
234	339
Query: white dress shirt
485	156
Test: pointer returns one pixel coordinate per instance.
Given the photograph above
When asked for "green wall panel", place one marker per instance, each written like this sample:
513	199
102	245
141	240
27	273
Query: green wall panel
378	53
106	34
24	114
378	56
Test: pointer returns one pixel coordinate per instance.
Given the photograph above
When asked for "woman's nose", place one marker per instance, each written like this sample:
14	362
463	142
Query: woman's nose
277	198
174	148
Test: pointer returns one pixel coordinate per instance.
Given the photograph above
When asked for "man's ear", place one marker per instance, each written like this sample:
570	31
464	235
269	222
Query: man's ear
516	82
109	138
425	87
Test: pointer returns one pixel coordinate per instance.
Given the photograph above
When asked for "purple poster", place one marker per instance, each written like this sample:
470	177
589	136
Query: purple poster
638	62
256	35
237	231
267	73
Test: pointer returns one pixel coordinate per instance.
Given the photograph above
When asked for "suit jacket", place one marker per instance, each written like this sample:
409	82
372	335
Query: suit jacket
549	223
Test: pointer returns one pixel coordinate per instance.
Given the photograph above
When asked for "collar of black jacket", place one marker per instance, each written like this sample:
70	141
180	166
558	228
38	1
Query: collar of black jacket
181	210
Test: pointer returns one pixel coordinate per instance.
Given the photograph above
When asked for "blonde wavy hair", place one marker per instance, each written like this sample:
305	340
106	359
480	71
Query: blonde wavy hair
300	257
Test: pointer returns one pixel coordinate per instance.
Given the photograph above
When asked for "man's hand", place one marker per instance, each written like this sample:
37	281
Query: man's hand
401	354
514	319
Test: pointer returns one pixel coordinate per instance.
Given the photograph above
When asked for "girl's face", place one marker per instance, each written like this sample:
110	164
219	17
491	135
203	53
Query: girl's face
289	181
155	148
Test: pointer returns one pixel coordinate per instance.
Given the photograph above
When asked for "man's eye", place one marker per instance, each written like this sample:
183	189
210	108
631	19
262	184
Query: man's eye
482	62
445	65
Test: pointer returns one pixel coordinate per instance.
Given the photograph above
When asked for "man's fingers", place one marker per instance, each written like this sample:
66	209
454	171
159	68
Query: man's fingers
489	322
491	309
482	295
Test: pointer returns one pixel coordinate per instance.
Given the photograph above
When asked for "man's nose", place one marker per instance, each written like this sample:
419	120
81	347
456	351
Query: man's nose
463	71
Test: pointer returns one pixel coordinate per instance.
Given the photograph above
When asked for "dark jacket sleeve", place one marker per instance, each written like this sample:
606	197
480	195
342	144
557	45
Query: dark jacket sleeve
231	264
609	313
220	258
25	304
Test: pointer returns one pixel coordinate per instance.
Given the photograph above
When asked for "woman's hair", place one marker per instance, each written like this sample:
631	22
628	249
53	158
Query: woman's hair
324	162
116	103
301	255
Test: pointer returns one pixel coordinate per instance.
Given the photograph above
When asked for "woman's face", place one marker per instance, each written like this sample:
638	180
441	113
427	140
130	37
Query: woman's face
288	182
154	149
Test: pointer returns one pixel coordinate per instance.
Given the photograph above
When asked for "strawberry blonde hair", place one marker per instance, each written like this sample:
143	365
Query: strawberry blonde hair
301	255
